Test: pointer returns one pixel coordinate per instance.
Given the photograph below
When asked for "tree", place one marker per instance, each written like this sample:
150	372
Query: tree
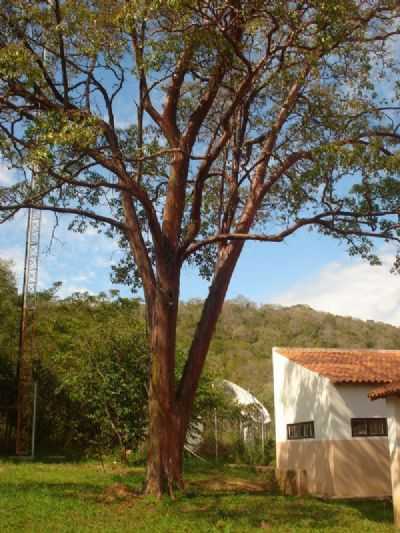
246	121
92	372
9	320
9	312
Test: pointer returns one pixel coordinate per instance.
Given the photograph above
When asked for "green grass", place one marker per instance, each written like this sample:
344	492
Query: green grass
82	497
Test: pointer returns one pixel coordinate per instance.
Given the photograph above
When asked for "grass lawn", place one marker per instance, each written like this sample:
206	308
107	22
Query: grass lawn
81	497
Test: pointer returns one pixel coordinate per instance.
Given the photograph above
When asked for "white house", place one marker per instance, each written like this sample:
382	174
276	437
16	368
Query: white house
331	440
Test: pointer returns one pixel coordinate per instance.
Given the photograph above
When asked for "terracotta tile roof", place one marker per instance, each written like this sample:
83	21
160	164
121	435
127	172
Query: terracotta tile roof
390	389
348	366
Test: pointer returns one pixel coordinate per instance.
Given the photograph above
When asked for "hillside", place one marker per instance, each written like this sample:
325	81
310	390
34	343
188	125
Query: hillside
240	350
242	346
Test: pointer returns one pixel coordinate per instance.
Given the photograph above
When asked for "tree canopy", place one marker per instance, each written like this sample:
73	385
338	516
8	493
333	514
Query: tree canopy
293	106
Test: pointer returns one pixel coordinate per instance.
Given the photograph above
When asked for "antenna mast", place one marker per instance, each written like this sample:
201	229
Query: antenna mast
26	392
26	352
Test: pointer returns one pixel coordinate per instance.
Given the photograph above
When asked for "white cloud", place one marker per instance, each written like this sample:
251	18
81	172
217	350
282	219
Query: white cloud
81	261
83	277
16	254
6	176
356	289
67	289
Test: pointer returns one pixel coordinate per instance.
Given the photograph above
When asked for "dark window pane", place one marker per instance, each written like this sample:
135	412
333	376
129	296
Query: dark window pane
359	428
300	430
368	427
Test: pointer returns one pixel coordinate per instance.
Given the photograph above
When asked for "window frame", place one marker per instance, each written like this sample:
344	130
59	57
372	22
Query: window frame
302	425
367	420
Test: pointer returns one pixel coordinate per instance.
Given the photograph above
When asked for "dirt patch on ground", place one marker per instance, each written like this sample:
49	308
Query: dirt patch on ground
117	493
231	485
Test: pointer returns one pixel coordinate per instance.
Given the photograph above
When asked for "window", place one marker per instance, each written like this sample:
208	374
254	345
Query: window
300	430
368	427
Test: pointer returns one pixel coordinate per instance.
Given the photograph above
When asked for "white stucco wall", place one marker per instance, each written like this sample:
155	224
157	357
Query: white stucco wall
301	395
393	404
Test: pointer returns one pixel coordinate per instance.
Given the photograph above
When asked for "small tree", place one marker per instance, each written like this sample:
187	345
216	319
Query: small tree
9	326
9	315
246	121
92	372
102	365
9	312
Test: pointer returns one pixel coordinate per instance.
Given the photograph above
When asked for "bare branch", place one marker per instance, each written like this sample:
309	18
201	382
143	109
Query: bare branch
316	220
67	210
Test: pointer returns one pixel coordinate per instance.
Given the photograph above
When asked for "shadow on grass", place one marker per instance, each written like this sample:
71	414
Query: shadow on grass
45	459
286	513
131	483
262	510
56	489
373	510
229	496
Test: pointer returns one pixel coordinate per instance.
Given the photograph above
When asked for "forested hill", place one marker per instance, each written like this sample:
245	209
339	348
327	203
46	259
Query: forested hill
242	346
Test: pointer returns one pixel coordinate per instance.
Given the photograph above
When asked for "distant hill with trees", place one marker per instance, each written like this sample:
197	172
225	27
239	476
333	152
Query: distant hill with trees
76	334
242	346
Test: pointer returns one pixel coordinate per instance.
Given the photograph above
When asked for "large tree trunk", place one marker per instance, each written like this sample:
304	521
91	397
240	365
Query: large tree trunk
170	407
166	435
166	444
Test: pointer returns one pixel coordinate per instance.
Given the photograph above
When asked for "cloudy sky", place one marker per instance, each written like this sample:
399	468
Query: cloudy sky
306	269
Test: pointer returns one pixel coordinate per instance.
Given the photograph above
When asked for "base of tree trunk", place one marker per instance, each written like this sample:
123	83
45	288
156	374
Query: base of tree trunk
164	482
165	476
165	458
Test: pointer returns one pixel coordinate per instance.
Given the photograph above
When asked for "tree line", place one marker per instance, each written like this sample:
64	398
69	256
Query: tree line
92	359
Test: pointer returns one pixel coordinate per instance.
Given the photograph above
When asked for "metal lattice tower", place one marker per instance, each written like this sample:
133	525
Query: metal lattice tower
27	345
32	258
25	386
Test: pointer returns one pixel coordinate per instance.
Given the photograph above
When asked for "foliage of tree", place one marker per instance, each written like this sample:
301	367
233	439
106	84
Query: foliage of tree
8	310
9	320
97	351
91	365
249	120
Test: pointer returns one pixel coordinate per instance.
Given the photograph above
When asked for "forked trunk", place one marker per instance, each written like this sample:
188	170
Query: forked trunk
170	407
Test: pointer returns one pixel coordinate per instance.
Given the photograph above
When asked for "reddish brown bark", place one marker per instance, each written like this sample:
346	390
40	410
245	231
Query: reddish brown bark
166	442
170	407
166	438
212	308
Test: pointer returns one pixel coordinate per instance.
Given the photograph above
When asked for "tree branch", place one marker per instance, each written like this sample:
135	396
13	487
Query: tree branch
67	210
317	220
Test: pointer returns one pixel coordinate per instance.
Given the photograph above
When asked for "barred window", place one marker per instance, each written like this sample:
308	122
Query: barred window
369	427
300	430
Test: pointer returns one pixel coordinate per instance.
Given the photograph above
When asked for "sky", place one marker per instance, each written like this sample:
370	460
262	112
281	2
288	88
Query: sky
305	269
